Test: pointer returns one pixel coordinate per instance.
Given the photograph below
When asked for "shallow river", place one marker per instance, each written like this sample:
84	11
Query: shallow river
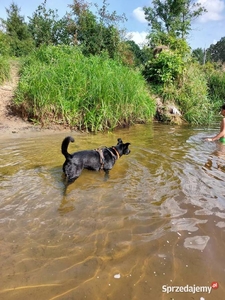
154	230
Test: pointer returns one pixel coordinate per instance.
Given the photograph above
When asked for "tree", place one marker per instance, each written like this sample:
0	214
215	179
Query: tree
201	55
16	28
217	52
171	18
46	27
95	33
140	56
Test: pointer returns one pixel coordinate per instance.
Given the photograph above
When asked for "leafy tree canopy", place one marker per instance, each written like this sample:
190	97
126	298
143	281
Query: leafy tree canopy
95	33
46	27
171	18
217	52
199	55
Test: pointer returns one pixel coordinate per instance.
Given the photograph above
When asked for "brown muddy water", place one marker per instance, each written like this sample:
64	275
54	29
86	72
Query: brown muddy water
154	230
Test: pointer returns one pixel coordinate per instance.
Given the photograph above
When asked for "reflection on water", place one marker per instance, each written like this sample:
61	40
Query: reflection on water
158	220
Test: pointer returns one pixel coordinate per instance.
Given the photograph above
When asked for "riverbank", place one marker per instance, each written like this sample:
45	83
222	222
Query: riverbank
12	123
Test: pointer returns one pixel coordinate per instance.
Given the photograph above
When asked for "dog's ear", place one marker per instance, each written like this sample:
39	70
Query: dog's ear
119	141
126	150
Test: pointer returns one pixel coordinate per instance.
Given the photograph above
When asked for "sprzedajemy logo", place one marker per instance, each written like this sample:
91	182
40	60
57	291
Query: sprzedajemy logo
189	288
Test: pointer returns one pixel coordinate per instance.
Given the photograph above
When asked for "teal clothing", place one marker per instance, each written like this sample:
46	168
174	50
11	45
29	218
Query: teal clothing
222	140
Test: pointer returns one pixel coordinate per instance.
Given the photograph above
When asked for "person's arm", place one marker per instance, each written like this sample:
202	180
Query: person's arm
219	135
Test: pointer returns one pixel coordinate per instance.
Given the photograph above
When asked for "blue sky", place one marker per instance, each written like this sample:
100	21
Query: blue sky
206	30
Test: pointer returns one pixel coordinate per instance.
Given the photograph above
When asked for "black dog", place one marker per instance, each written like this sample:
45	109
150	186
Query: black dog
96	160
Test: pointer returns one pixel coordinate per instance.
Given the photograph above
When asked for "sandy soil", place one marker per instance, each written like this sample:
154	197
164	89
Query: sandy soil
11	124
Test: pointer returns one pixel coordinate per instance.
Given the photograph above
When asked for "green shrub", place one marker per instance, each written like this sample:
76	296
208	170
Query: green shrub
93	93
4	44
165	68
4	69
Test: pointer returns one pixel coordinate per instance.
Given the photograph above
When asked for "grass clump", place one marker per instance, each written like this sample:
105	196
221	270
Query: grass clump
93	93
4	69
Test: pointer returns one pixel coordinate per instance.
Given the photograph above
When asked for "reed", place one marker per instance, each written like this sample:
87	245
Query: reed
93	93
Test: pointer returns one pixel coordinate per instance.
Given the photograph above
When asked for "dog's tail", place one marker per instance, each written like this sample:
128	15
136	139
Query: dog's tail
65	145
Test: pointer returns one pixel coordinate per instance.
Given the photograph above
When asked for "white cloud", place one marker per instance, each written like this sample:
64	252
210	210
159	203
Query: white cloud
138	37
139	14
214	9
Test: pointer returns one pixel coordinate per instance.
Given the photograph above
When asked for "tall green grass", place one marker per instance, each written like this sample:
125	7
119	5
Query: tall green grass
94	93
4	69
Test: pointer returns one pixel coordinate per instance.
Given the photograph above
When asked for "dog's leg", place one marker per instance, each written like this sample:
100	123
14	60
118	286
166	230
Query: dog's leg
72	172
106	177
71	180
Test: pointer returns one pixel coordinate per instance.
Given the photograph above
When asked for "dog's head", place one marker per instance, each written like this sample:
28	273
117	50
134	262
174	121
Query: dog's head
122	148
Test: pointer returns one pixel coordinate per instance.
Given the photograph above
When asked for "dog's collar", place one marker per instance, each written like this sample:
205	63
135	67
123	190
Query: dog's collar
117	153
113	155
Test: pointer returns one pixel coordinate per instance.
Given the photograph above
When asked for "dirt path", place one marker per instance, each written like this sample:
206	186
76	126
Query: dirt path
8	121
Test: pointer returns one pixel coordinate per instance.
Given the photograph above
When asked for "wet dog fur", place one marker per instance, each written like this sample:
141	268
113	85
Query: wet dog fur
96	160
